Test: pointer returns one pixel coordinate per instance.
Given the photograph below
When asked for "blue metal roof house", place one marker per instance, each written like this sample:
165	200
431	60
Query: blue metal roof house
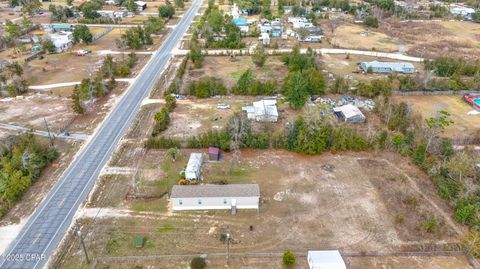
62	27
388	67
240	22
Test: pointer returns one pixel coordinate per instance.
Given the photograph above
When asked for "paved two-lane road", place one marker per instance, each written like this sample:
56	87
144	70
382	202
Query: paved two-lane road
46	227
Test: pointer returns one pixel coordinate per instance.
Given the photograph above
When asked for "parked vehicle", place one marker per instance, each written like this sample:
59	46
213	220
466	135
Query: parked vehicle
223	106
83	52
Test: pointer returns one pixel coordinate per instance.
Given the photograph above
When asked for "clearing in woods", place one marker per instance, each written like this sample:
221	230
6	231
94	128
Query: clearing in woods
353	202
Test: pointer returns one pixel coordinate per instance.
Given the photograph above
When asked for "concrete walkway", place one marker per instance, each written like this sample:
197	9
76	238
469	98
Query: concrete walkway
72	136
69	84
396	56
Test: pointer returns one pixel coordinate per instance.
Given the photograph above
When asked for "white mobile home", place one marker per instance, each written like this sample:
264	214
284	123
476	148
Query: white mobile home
206	197
326	259
194	167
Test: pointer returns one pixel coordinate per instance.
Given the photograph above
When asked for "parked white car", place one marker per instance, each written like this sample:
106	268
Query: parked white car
223	106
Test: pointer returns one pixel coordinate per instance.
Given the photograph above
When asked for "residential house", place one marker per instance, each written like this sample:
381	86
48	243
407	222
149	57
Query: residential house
310	34
241	23
463	11
287	10
62	41
297	19
388	67
194	167
113	14
59	27
274	28
349	113
209	197
325	259
141	5
262	111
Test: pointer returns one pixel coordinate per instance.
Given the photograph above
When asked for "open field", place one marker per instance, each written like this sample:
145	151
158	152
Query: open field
465	126
67	67
436	39
352	202
232	69
391	262
340	66
353	36
4	16
31	111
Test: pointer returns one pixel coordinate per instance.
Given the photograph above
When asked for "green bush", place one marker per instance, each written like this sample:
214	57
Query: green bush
430	225
207	87
466	214
198	263
371	21
288	258
170	102
22	162
162	119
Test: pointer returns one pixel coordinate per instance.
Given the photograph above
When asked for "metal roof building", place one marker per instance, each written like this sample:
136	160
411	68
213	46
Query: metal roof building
204	197
326	259
349	113
264	110
388	67
194	166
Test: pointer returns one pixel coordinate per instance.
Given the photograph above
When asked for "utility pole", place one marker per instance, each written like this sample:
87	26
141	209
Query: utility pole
49	134
229	237
79	234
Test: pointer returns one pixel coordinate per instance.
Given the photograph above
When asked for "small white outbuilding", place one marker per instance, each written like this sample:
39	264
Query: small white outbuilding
325	259
349	113
194	167
262	111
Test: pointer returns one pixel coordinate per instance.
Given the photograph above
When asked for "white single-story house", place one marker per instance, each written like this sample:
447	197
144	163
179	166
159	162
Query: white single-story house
113	14
388	67
194	167
302	24
464	11
141	5
242	24
349	113
325	259
62	41
297	19
209	196
262	111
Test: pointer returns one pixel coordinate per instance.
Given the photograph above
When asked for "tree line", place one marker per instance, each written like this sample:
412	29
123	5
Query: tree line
22	160
103	81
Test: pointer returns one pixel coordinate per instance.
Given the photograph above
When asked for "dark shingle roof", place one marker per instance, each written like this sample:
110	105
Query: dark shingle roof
209	190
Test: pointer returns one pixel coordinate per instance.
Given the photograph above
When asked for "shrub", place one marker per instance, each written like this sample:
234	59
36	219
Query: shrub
288	258
207	87
170	102
430	225
162	119
371	21
198	263
467	214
